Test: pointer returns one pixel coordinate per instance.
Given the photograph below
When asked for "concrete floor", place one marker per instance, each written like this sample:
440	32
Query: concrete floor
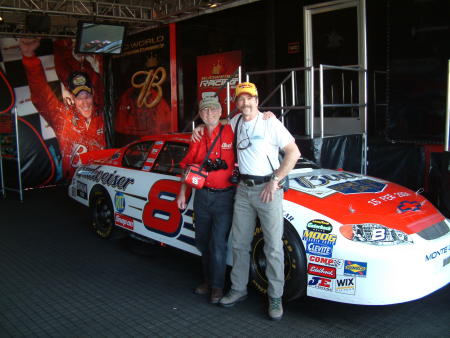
59	280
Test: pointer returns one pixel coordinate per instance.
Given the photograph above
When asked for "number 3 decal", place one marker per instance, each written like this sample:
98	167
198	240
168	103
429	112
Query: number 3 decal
161	213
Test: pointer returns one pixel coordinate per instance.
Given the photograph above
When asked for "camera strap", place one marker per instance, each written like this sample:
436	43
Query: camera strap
235	138
211	148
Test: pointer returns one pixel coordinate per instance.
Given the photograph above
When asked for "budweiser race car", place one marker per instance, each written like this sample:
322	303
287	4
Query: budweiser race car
347	237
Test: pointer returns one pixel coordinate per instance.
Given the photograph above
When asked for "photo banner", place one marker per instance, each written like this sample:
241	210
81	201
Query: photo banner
143	85
52	131
213	72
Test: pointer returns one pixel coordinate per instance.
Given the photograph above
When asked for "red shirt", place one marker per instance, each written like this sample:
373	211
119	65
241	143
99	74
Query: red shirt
216	179
74	136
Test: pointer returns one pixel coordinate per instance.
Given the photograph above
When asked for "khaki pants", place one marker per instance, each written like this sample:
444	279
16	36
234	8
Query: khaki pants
247	207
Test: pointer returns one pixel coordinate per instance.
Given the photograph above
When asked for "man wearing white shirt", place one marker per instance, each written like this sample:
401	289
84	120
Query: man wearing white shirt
259	195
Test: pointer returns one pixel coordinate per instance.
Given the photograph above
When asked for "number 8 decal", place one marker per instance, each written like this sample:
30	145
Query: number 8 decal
161	213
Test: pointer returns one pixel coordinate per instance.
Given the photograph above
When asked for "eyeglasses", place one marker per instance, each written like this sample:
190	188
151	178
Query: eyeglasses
245	142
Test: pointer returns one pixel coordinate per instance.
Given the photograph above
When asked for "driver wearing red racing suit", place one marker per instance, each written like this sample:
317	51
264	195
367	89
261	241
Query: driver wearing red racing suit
80	127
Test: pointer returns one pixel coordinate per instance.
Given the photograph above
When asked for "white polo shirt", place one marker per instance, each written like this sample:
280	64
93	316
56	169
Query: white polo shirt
267	137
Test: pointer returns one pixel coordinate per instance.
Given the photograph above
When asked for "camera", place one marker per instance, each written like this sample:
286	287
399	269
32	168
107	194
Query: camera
216	164
234	178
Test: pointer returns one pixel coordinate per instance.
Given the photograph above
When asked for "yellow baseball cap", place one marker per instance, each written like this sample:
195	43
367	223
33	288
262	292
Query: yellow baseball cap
246	88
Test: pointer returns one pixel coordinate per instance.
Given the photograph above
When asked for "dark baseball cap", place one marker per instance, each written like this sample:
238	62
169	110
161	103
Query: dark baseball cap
79	81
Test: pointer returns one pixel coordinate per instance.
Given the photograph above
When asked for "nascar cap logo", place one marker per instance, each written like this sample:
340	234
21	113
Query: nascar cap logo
246	88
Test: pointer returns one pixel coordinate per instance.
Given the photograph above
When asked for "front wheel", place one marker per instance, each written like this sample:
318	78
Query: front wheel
294	263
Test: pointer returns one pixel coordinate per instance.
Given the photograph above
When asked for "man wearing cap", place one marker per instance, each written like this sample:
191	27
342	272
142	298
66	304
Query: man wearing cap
79	127
259	195
213	204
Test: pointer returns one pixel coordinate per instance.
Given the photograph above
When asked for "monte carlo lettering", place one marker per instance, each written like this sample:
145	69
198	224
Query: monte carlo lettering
437	253
106	178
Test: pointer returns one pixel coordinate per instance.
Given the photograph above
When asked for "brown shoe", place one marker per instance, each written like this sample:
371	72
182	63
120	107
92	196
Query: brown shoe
202	289
216	295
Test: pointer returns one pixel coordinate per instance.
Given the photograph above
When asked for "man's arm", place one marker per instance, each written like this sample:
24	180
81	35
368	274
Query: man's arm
291	155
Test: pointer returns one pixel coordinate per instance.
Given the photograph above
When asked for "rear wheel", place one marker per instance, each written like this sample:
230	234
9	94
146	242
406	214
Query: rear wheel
294	263
102	214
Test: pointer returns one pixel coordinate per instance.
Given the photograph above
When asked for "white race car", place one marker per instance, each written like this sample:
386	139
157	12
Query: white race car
347	237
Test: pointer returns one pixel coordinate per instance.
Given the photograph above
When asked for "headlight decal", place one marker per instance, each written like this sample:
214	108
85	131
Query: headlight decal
375	234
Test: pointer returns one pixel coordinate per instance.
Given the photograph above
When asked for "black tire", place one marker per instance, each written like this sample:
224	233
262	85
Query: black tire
102	213
294	263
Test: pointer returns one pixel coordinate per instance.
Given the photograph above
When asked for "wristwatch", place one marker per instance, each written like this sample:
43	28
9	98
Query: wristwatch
274	178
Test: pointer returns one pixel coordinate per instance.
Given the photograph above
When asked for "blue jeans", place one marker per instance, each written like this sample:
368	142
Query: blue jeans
213	214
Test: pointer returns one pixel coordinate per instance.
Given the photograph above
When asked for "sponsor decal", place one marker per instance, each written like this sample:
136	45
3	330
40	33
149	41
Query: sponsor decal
319	225
358	187
288	217
388	197
82	190
353	268
119	201
346	285
404	206
115	156
150	160
106	178
158	143
321	270
326	261
124	221
226	146
318	185
437	253
319	237
154	151
320	283
319	249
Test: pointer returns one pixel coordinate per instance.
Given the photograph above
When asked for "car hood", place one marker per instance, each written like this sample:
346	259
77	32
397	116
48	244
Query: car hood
351	198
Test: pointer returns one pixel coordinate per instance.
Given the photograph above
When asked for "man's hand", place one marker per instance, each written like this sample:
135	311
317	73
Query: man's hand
197	133
268	114
269	190
29	45
181	198
69	101
181	201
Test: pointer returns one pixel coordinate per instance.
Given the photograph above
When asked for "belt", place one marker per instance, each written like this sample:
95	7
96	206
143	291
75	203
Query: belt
218	190
250	180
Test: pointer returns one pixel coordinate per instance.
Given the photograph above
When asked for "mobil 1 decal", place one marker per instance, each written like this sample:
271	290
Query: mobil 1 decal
319	243
319	225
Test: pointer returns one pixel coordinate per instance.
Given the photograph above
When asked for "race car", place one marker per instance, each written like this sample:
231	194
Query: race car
348	237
